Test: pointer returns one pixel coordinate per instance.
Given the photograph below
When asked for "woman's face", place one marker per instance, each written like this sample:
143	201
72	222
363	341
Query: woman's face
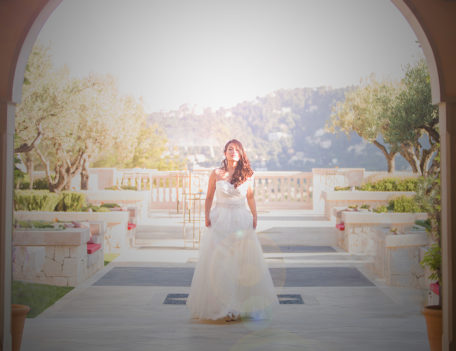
232	153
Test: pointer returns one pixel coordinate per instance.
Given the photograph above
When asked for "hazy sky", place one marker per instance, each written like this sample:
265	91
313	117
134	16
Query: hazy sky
221	52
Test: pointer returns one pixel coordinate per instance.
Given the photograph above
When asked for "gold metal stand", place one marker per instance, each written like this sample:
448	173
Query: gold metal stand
192	209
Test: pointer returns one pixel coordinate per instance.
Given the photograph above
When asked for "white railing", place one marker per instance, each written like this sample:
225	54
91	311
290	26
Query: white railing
272	189
167	188
283	189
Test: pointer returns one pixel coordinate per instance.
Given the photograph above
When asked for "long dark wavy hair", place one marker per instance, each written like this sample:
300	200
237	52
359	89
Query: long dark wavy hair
243	170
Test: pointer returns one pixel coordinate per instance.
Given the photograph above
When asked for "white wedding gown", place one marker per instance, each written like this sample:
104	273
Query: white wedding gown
231	275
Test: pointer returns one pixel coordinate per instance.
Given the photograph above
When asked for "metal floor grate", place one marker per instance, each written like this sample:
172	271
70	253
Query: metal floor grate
284	299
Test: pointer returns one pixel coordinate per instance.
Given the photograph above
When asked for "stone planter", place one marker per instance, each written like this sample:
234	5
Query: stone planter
359	234
55	257
398	256
347	198
115	236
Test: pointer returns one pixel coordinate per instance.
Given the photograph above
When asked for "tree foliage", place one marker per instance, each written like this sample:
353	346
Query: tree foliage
69	122
414	121
397	117
366	110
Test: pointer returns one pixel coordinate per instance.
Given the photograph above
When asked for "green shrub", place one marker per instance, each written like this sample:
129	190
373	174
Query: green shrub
43	200
391	184
41	184
38	224
24	185
365	206
404	204
380	209
34	224
110	205
95	208
407	184
38	184
35	200
70	201
341	188
433	259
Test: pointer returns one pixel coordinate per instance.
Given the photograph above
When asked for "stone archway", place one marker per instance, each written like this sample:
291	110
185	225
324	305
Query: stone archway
433	23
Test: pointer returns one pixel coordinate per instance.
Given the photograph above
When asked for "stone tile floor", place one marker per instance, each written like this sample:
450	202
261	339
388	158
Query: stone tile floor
344	306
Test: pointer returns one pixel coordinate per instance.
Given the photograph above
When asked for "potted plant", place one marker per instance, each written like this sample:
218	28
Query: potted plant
18	315
428	196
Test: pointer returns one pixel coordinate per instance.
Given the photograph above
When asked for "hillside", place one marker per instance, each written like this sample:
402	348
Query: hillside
283	130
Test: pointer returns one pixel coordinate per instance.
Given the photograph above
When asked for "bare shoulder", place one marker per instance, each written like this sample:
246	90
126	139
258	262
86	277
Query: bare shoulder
218	173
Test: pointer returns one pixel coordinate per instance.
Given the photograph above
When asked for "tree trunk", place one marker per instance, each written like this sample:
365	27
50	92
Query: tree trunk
390	156
65	169
67	186
85	173
391	159
418	157
61	179
426	158
407	153
29	166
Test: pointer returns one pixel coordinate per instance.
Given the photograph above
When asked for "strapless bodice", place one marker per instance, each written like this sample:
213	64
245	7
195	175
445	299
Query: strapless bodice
227	195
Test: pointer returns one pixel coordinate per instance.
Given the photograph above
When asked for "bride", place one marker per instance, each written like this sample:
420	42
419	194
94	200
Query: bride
231	279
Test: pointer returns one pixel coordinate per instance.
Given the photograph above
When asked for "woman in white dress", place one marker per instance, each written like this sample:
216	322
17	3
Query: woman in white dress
231	278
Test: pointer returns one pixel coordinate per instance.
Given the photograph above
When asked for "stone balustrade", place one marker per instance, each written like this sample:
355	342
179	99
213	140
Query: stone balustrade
56	257
283	190
167	189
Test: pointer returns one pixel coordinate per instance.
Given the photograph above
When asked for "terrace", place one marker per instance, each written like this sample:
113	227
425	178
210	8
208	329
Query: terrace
368	270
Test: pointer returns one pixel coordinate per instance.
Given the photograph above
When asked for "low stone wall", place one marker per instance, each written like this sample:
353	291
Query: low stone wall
56	257
359	235
398	257
347	198
115	235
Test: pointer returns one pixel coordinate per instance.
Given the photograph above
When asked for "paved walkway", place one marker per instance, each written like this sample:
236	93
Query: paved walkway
329	300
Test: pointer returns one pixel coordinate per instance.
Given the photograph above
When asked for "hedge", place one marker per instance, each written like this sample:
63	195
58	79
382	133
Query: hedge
386	184
404	204
43	200
71	201
391	184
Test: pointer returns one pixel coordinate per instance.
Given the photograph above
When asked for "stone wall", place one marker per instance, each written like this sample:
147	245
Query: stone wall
56	257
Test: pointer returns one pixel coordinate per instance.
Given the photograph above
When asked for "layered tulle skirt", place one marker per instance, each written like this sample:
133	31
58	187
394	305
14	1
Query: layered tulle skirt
231	275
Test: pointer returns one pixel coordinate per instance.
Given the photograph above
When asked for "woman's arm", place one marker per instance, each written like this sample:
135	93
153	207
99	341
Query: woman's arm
251	202
209	198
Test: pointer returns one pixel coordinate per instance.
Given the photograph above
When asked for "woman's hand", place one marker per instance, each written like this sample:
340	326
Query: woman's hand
208	221
254	222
